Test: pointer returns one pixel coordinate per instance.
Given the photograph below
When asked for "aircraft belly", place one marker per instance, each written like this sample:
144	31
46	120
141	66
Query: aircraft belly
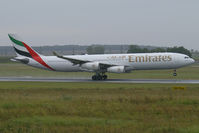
65	67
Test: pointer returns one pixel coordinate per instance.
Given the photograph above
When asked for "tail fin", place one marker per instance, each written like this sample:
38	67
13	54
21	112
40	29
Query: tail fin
21	48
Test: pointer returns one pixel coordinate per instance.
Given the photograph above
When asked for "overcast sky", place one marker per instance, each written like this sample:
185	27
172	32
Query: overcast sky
144	22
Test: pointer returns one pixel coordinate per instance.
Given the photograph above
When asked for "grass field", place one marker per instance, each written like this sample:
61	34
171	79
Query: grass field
94	107
17	69
98	108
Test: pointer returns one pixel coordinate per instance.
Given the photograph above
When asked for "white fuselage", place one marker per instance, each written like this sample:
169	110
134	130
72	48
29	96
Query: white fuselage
142	61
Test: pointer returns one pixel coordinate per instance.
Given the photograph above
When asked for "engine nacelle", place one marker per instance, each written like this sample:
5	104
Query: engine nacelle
91	66
116	69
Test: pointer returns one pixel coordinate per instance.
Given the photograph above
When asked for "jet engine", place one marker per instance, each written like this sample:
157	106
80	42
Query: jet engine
116	69
91	66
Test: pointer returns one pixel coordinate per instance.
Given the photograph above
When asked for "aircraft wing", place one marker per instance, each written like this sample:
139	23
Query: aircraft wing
80	62
72	60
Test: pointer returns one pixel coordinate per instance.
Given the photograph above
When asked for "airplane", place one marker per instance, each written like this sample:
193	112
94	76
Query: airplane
99	64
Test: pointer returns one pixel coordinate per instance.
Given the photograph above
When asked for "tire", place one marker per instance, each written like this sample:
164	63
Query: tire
94	77
104	77
174	74
99	77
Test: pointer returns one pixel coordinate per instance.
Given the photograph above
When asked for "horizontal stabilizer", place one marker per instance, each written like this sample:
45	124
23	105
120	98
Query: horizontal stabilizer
20	59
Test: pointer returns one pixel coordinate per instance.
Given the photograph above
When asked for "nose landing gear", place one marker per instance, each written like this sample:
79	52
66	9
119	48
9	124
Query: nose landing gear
98	76
175	73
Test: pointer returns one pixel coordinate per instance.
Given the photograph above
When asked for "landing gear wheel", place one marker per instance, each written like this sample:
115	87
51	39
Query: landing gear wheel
99	77
94	77
104	77
174	73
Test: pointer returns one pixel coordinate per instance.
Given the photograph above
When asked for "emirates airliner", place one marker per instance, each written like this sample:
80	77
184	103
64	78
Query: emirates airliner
99	64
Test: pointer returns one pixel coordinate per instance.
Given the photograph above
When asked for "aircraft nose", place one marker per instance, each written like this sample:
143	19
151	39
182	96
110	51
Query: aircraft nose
192	61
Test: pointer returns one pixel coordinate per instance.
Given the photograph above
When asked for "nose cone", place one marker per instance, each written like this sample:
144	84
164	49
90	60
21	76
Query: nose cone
192	61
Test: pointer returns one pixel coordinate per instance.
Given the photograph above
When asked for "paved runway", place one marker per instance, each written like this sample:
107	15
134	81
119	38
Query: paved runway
173	81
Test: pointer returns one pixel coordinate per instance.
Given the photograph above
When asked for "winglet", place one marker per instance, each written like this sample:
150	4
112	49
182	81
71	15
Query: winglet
55	54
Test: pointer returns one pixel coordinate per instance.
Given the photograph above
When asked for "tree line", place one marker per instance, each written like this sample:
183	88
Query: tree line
175	49
99	49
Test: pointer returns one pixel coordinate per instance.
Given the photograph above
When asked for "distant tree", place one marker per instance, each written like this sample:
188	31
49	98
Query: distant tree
135	49
95	49
158	50
121	49
181	50
89	50
99	50
145	50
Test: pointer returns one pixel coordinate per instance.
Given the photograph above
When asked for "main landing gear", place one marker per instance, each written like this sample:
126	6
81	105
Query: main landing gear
174	73
99	76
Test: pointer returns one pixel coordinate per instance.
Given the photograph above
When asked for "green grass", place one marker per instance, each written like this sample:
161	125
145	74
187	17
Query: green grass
98	107
17	69
95	107
5	59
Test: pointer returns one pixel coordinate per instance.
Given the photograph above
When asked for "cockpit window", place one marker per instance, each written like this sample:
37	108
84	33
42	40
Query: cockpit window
186	57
